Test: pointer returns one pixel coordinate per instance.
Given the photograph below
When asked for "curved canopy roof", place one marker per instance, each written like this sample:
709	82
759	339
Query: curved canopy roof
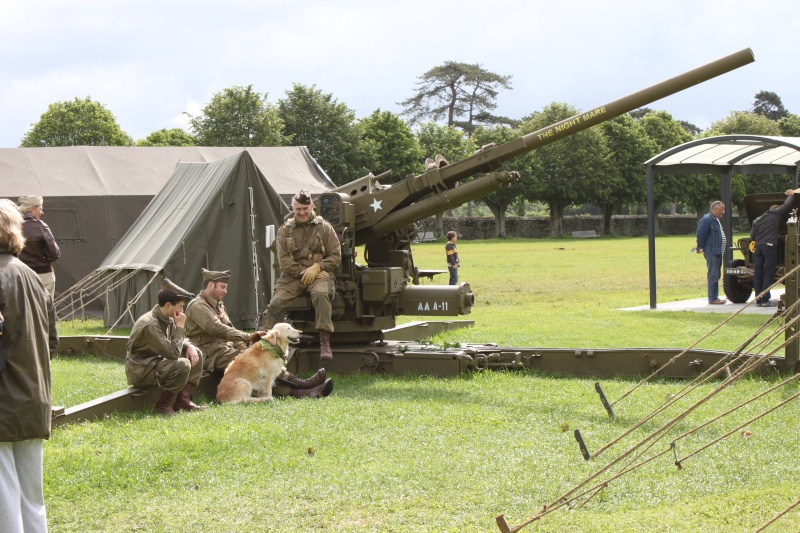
731	154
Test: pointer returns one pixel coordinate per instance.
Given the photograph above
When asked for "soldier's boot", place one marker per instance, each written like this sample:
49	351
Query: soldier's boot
164	403
184	401
290	379
320	391
325	353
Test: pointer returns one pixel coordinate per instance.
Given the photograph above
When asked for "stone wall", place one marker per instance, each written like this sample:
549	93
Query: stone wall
539	227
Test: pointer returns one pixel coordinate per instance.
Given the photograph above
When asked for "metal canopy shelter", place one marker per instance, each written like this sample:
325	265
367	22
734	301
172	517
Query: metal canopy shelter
724	155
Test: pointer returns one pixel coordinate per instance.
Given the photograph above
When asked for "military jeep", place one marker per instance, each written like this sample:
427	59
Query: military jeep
738	279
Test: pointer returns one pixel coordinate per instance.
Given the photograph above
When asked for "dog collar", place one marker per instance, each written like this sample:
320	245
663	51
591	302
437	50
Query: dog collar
277	350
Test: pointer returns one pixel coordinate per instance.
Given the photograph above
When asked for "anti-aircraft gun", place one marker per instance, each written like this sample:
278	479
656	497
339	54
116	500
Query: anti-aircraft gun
382	218
369	297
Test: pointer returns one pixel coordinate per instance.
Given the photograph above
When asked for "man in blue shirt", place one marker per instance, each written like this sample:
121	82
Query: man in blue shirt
711	243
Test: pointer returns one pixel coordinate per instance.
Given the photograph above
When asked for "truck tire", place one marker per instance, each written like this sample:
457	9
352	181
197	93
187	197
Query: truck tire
737	290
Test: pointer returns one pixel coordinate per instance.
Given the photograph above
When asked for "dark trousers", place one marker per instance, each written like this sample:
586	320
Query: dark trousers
714	264
764	261
453	275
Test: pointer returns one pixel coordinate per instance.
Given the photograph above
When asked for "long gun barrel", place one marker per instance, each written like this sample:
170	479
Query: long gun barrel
380	209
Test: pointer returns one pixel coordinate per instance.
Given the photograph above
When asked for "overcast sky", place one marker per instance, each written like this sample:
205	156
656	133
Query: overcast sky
149	62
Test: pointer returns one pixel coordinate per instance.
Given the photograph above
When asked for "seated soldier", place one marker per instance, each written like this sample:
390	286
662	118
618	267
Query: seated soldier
309	252
158	354
208	327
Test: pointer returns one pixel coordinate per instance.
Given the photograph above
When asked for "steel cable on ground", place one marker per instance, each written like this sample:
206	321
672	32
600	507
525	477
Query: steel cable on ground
658	435
708	375
672	446
678	356
777	516
734	430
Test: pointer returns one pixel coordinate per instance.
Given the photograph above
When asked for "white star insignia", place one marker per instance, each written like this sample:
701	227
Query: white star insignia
376	205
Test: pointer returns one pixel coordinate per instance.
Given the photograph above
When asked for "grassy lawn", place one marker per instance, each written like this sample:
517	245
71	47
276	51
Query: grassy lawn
417	453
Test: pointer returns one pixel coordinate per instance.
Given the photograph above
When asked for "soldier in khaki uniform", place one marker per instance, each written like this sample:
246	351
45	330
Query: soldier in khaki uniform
309	252
209	327
159	354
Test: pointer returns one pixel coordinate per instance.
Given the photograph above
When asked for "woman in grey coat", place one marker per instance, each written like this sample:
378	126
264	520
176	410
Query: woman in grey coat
29	339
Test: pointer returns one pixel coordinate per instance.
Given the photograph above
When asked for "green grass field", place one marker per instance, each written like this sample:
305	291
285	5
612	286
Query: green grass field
417	453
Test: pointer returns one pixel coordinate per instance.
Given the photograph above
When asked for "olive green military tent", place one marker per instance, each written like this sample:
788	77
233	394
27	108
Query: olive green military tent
93	194
217	216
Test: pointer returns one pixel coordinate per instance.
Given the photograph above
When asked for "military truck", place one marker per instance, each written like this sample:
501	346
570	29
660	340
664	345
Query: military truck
738	279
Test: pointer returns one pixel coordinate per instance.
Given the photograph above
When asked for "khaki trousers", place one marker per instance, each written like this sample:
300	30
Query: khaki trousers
321	291
49	280
173	374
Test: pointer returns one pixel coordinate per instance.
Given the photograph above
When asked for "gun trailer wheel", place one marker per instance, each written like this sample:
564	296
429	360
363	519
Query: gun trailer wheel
737	290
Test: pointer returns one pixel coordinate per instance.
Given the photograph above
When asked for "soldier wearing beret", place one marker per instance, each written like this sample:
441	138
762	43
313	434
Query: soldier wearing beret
41	249
160	355
208	326
309	252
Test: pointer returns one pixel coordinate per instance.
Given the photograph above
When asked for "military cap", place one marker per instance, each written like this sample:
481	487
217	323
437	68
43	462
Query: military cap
212	275
303	198
30	201
183	294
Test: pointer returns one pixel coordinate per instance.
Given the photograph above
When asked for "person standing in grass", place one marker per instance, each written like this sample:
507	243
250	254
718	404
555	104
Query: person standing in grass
451	251
29	339
160	356
765	235
41	250
711	243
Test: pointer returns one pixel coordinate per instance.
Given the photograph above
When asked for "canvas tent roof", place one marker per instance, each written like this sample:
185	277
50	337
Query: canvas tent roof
208	215
93	194
142	170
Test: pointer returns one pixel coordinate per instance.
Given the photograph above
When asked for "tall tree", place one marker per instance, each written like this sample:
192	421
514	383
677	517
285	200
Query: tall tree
567	171
790	125
630	147
437	139
167	137
329	129
500	201
768	104
238	116
743	122
445	140
396	148
666	133
463	94
79	122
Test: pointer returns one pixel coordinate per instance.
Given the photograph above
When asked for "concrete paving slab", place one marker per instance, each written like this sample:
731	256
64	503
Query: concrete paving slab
701	305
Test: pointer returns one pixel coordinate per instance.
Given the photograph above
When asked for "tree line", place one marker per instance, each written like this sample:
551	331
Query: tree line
450	113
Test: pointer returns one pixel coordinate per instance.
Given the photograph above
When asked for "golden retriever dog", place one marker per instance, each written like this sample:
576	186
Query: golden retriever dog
250	376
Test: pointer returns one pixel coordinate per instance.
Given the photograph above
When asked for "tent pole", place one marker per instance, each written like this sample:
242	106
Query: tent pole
651	233
254	248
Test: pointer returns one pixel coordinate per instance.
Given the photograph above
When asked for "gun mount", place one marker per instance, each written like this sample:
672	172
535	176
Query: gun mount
382	218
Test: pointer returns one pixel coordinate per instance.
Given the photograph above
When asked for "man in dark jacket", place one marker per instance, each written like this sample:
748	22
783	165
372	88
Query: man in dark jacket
765	234
711	243
41	250
29	339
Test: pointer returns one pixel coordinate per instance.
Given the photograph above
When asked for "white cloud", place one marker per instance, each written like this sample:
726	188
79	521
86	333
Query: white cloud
148	61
